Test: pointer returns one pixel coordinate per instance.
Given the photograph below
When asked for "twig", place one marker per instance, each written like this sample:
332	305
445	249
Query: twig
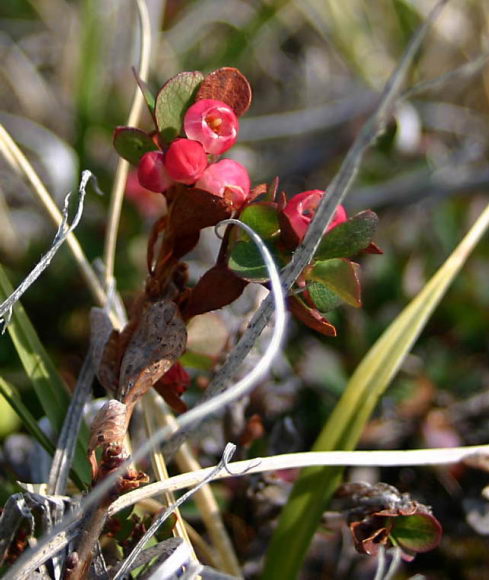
22	166
120	178
63	232
65	448
460	75
227	454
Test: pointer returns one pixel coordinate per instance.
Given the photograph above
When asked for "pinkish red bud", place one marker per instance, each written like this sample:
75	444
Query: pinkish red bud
185	161
301	209
212	123
152	173
227	179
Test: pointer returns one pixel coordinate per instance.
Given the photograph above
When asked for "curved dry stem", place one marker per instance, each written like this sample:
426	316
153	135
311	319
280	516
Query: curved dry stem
395	458
19	162
120	178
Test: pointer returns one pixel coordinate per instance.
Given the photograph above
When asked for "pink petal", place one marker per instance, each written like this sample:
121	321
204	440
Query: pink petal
212	123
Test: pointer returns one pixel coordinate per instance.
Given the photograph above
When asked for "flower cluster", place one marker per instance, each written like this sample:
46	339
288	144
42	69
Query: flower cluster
196	120
211	128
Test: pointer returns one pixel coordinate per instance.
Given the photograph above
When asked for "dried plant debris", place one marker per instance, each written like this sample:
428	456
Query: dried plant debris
379	515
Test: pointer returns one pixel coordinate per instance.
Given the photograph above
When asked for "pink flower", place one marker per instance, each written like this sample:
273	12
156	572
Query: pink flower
185	161
301	209
212	123
227	179
152	174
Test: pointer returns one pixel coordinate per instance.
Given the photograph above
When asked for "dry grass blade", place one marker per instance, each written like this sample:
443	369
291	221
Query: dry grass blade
63	232
65	449
21	165
123	166
228	452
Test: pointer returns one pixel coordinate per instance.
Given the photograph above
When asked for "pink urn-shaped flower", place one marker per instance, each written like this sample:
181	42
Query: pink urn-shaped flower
227	179
185	161
152	173
301	209
212	123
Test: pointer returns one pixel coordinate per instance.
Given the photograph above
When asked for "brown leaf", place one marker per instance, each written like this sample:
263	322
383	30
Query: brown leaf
108	428
310	317
217	288
157	342
229	85
104	349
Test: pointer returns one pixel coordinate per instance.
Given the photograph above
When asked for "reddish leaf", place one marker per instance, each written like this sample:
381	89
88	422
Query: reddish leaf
217	288
193	209
310	317
157	342
172	385
228	85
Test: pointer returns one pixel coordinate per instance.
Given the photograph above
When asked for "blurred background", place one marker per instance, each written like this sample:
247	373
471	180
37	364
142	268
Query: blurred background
316	68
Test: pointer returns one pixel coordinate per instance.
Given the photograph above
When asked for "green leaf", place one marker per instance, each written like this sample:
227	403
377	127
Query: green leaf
50	389
348	238
340	277
172	101
416	533
132	144
246	261
262	218
324	299
315	486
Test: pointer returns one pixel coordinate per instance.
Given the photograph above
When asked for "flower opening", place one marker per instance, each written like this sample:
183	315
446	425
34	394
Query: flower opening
227	179
212	123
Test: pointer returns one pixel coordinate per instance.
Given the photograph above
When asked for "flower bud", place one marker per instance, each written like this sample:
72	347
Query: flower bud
227	179
185	161
212	123
152	173
301	209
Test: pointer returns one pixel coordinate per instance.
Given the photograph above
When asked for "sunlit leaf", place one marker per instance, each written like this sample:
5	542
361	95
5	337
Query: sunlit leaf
416	533
348	238
173	99
338	276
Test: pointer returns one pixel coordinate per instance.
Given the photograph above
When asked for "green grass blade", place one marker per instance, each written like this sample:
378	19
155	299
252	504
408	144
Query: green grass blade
315	486
48	384
13	398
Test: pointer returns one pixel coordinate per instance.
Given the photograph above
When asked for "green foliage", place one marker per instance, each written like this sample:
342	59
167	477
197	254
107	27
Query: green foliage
416	533
173	100
50	389
132	144
338	276
348	238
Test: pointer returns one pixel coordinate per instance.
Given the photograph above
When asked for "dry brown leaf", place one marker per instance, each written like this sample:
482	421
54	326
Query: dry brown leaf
104	348
157	342
108	428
